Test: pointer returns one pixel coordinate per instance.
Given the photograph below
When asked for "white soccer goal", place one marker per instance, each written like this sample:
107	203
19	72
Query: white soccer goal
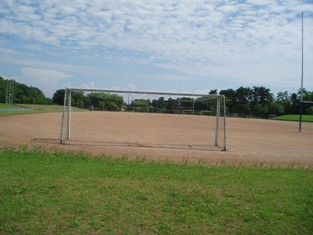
146	119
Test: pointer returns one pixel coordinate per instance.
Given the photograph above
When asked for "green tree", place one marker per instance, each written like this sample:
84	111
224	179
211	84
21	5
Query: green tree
102	105
58	97
213	92
261	99
205	103
243	98
172	105
78	99
276	108
117	100
201	104
159	105
230	99
295	103
22	93
309	110
112	106
283	98
2	90
186	102
140	103
104	101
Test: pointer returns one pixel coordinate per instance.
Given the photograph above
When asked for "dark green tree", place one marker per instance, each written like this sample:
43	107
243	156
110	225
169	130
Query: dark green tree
284	99
276	108
104	101
78	99
172	105
22	94
58	97
231	101
2	90
261	99
243	98
159	105
213	92
186	103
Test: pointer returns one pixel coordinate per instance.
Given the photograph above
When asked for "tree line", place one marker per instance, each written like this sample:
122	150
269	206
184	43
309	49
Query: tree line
113	102
21	93
260	102
257	101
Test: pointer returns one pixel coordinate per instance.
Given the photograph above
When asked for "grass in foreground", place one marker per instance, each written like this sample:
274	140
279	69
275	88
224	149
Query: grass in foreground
55	193
294	117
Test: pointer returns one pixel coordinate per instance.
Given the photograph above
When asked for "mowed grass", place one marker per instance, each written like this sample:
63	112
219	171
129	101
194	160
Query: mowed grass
52	107
7	106
32	108
294	117
67	193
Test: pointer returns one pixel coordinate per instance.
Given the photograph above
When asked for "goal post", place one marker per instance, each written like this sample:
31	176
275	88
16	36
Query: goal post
141	118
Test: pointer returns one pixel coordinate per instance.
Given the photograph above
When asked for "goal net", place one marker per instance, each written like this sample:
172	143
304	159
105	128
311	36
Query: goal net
143	119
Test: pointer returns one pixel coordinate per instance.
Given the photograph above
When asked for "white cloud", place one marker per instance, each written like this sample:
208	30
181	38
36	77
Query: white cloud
45	75
198	37
131	86
90	85
45	79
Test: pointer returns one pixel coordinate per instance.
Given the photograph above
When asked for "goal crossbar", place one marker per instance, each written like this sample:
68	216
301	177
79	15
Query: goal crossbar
142	92
217	109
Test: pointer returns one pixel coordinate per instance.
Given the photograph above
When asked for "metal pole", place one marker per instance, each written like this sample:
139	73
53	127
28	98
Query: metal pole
63	114
300	119
302	63
301	99
218	110
224	103
69	114
143	92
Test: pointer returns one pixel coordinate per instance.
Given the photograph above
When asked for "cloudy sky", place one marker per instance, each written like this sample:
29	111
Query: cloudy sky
156	45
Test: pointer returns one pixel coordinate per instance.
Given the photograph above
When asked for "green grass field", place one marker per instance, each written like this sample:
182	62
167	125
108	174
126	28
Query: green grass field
67	193
52	107
33	108
7	106
294	117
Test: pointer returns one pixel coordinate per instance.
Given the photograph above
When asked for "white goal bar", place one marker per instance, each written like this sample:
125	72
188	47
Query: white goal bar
211	104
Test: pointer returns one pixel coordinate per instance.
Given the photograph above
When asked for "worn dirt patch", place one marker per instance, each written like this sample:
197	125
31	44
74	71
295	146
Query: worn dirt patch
248	140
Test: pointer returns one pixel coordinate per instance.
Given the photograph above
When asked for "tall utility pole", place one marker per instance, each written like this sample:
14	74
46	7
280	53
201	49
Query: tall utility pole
301	99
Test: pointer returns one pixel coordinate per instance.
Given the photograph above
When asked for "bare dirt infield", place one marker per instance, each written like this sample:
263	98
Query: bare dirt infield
248	140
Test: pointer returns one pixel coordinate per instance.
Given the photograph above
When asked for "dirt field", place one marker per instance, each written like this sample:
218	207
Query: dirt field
145	130
248	140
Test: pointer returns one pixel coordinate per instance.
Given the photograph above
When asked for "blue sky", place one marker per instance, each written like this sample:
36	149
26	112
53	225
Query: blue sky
176	46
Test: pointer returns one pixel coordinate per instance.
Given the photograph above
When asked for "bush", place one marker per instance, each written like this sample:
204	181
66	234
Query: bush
276	108
309	111
111	106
